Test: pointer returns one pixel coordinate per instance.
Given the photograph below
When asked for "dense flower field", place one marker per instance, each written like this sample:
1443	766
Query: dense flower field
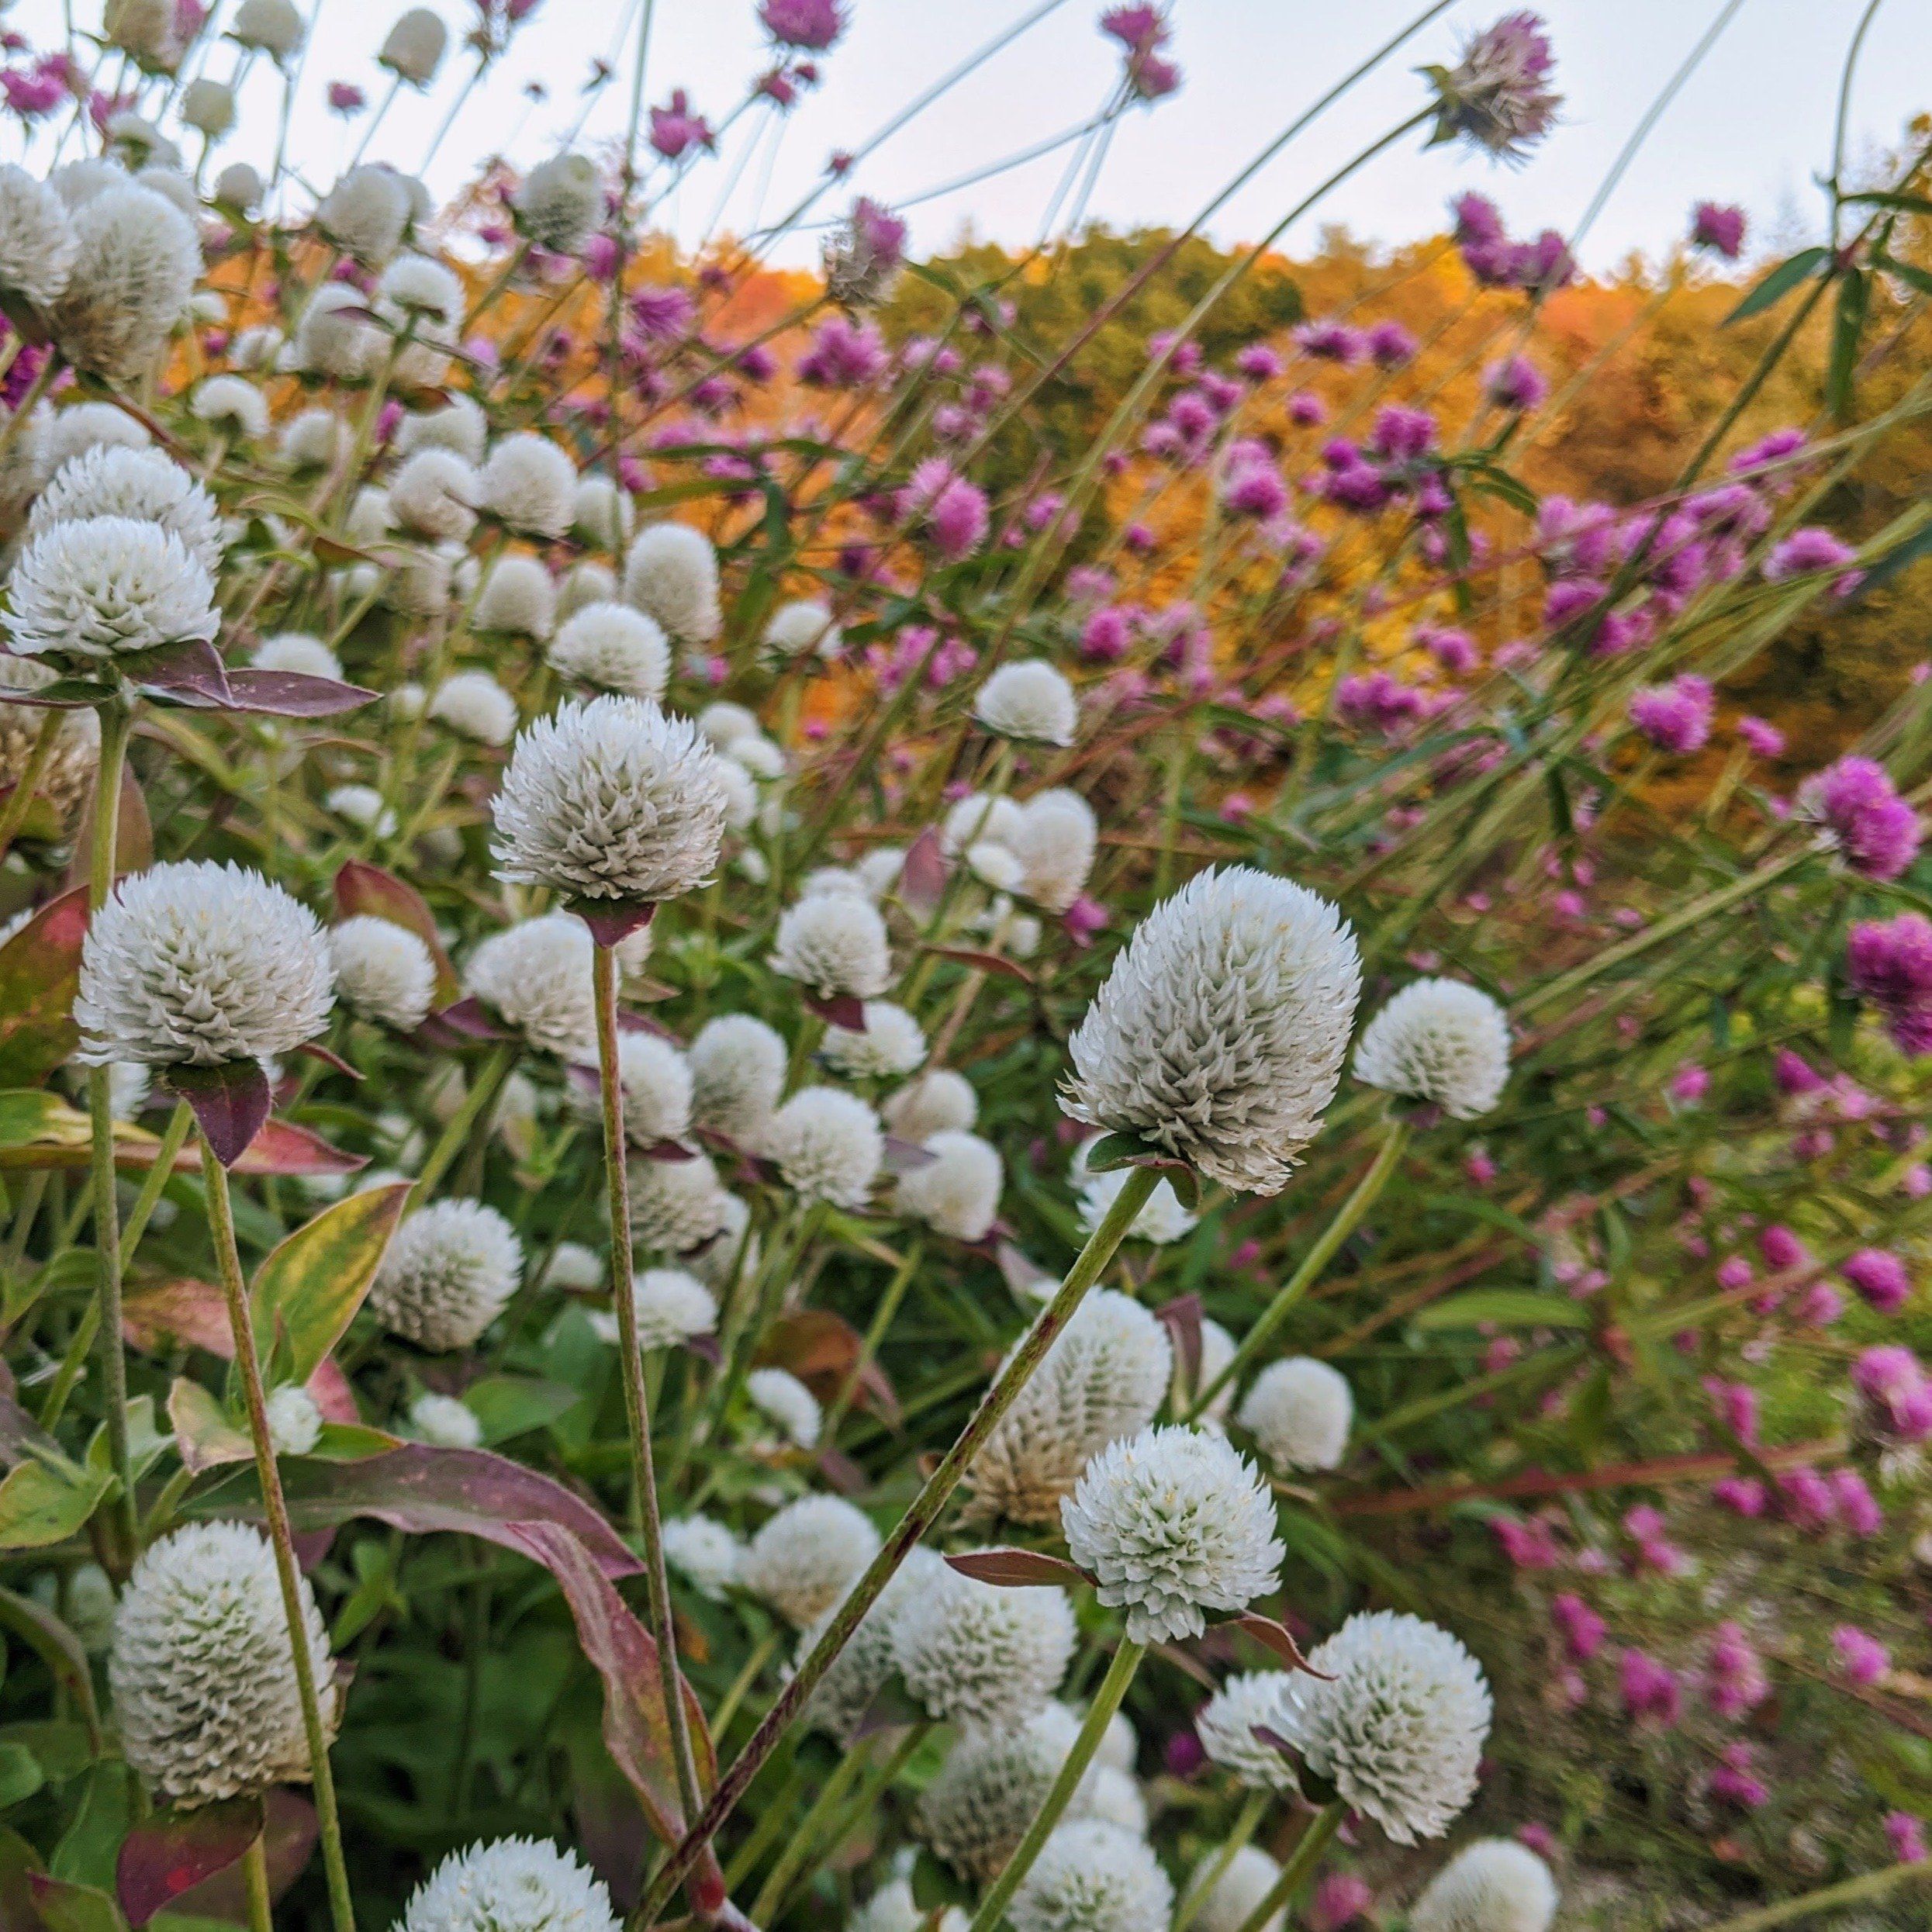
776	1155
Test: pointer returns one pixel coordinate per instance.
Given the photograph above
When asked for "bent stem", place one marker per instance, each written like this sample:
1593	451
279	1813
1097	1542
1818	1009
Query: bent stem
221	1219
918	1518
1870	1885
1347	1218
1107	1700
20	800
1300	1867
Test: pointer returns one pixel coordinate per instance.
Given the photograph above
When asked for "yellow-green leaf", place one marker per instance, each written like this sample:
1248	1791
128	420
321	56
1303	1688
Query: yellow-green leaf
307	1291
41	1504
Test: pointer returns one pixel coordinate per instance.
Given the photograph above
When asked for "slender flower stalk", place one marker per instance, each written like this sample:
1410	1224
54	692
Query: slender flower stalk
1253	1810
1300	1867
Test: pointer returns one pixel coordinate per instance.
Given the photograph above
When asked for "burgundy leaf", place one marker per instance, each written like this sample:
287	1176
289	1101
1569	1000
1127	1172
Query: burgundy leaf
292	694
1024	1276
1278	1638
315	1051
922	875
288	1842
162	1857
360	887
39	971
838	1009
984	962
612	920
463	1020
906	1157
1010	1569
1273	1739
190	672
1181	1318
230	1103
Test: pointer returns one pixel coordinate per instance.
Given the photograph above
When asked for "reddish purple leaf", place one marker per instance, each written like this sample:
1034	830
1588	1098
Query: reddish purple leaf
905	1156
1181	1318
612	920
1028	1280
288	1842
292	694
161	1858
39	969
838	1009
457	1024
820	1348
230	1103
313	1050
922	875
360	887
984	962
1273	1739
1278	1638
1007	1568
190	672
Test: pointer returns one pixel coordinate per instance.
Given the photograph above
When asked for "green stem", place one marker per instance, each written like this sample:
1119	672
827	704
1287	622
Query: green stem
457	1129
14	813
255	1871
221	1217
876	1333
1300	1865
924	1512
1214	1867
1107	1701
1851	1891
779	1880
173	1139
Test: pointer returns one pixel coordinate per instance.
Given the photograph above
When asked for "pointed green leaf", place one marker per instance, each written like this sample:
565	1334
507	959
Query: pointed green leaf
309	1289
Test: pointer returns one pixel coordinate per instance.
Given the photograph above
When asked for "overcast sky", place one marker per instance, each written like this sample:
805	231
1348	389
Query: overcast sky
1752	125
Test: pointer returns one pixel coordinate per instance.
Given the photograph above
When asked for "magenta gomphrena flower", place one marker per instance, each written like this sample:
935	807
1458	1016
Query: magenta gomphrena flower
1734	1781
843	354
1761	738
675	129
1675	717
1497	95
1331	342
1581	1629
1809	549
346	99
1735	1682
1907	1836
1880	1277
1862	1658
1718	230
1514	384
1873	828
1889	963
809	25
951	511
1649	1688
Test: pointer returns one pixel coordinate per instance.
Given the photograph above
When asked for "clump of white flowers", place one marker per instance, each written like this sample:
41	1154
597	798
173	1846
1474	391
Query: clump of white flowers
558	203
1093	1877
974	1654
447	1274
807	1555
1299	1412
1029	700
1492	1886
1395	1721
535	976
113	479
1219	1034
1228	1724
1439	1041
99	587
834	943
613	647
511	1885
202	1670
670	573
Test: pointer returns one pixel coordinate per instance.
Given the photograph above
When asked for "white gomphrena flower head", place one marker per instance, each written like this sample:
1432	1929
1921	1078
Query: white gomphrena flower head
433	494
973	1654
586	583
604	517
1219	1033
828	1145
957	1191
294	1422
1093	1877
723	722
535	975
559	203
529	485
676	1205
1299	1412
202	1671
516	598
833	943
369	520
1029	700
893	1043
1227	1725
102	587
240	186
444	1422
1162	1220
273	27
419	297
1395	1723
334	337
67	774
893	1909
199	964
1055	842
208	106
133	272
611	799
654	1080
704	1552
782	1399
670	573
314	439
446	1275
1493	1885
844	1694
737	1075
383	972
475	706
938	1102
730	1253
1174	1523
995	865
459	425
510	1884
296	651
362	805
672	1306
37	241
145	484
413	48
366	213
81	426
574	1268
614	648
1103	1379
979	818
805	1557
1237	1888
232	406
797	629
1441	1042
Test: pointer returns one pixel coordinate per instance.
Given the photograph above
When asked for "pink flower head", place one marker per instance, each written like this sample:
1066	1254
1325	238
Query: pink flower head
675	129
809	25
843	354
1718	229
1390	346
1736	1782
1514	384
1889	963
1340	1900
1857	1508
1907	1837
1649	1689
1735	1680
1855	800
1332	342
1258	363
1862	1658
1528	1545
1582	1630
1689	1084
1254	490
1498	96
951	511
1880	1277
1809	549
1743	1496
1675	717
1763	740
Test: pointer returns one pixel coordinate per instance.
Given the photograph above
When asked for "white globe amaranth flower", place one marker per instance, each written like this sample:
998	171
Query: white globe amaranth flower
723	722
104	586
444	1422
1217	1351
362	805
893	1043
1493	1885
1440	1042
977	818
1103	1379
828	1145
1161	1219
208	106
801	627
892	1909
366	213
672	1306
1227	1724
413	50
535	976
510	1884
529	485
615	648
273	27
1220	1031
1093	1877
315	439
383	972
604	516
296	651
202	1670
574	1268
974	1654
738	1068
294	1422
240	186
704	1552
143	483
81	426
586	581
516	598
676	1205
741	811
653	1081
232	406
334	337
419	288
434	494
447	1274
1055	842
194	963
843	1696
610	799
957	1191
1299	1412
559	203
67	773
670	573
806	1557
1174	1523
475	706
459	425
781	1398
938	1102
731	1252
834	943
37	242
1029	700
1236	1895
1395	1723
995	865
134	269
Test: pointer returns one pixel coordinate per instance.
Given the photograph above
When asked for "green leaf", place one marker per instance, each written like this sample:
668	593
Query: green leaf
1855	298
59	1648
1507	1307
1119	1150
67	1907
307	1291
42	1503
20	1774
87	1851
508	1405
1774	287
203	1432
